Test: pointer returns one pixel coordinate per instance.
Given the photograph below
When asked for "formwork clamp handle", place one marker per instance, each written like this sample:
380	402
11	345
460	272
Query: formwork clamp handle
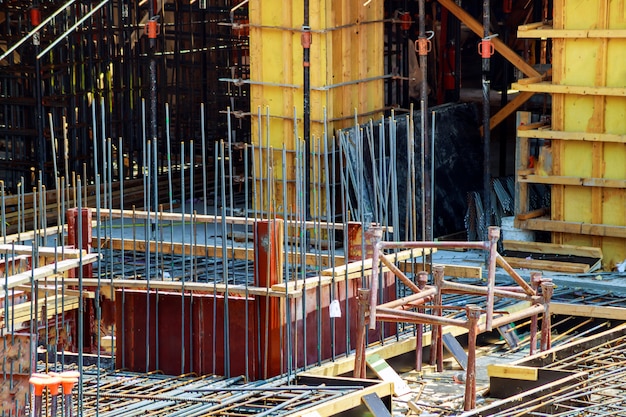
485	47
152	28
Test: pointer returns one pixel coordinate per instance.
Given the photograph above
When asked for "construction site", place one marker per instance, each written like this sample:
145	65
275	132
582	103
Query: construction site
313	208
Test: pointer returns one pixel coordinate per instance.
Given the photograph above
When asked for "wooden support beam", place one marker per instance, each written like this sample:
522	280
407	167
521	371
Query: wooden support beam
107	287
539	32
578	228
367	263
46	290
45	251
526	373
566	180
21	313
570	267
552	248
162	216
547	133
48	271
175	248
499	46
548	87
457	271
586	310
508	109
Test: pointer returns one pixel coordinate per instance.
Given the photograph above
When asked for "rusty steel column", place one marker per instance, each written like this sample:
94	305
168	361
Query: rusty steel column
494	236
547	289
422	280
436	341
268	271
363	298
535	281
72	234
473	314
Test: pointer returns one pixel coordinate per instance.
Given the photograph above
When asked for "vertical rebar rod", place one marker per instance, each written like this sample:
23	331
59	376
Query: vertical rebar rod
247	261
182	279
486	67
306	105
225	269
81	301
169	157
423	61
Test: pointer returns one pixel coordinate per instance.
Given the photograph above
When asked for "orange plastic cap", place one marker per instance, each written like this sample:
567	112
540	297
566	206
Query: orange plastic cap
68	384
38	384
53	384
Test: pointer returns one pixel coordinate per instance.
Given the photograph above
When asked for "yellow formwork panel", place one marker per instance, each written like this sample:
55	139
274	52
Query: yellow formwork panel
596	62
346	48
582	14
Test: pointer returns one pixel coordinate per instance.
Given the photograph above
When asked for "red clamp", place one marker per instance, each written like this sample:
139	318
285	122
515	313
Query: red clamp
306	38
486	48
405	21
423	46
35	16
152	29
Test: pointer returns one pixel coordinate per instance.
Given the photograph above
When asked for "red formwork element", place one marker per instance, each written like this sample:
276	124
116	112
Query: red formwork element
176	340
358	236
268	271
73	237
332	338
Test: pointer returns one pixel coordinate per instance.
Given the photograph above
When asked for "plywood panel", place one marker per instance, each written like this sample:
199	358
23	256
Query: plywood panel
347	46
589	74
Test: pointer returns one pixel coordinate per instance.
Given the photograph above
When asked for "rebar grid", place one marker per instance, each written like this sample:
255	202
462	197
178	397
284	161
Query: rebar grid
123	394
601	392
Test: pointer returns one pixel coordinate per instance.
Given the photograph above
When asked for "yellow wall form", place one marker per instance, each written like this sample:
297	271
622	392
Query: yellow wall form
596	60
347	46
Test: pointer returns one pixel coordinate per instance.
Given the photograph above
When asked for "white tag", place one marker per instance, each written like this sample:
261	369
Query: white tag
335	309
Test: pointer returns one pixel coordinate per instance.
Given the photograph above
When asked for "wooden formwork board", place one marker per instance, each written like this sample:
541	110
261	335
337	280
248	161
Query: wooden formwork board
588	175
346	75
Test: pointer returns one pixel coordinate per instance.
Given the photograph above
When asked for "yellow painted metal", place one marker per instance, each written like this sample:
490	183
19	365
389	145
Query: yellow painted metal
346	48
583	68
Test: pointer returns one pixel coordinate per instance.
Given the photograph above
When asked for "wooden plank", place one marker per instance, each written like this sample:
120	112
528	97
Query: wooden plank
367	263
578	228
522	153
208	218
552	248
450	270
499	46
48	271
174	286
509	108
45	290
46	251
375	405
532	214
526	373
567	180
587	310
548	87
577	136
549	32
345	402
385	372
21	313
175	248
574	268
455	348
